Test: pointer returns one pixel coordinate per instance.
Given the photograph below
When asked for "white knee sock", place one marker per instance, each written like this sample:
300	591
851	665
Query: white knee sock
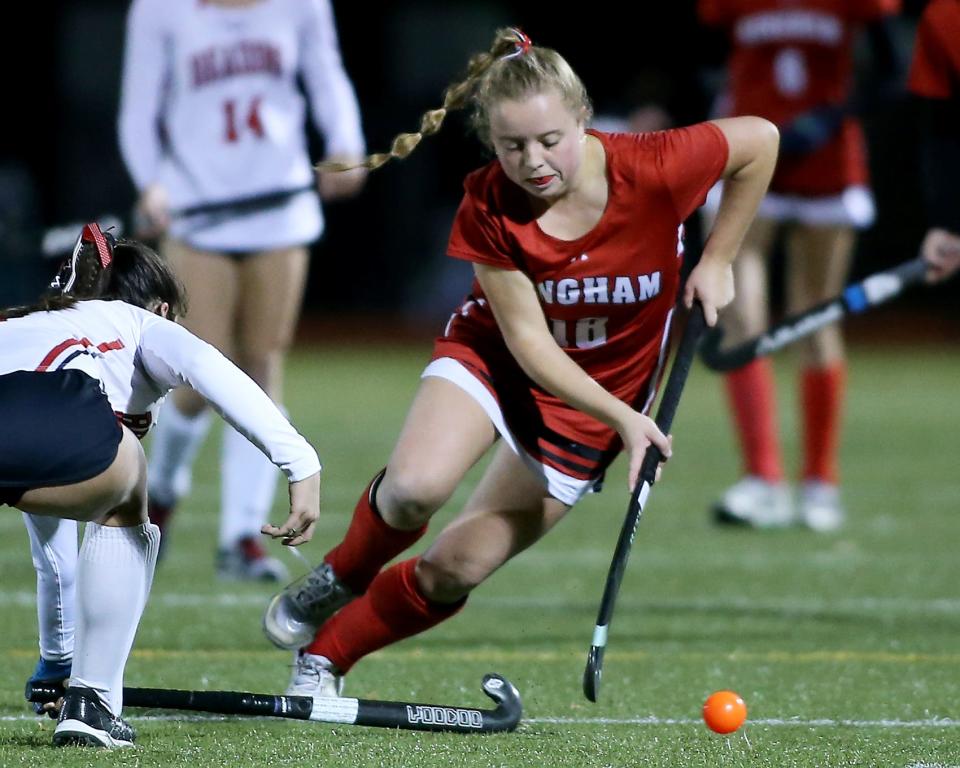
176	440
53	546
249	481
113	581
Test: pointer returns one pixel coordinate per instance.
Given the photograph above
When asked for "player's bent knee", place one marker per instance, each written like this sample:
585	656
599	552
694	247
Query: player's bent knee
407	500
443	583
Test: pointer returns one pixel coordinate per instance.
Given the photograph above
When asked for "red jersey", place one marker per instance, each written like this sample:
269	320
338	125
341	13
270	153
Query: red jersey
935	72
607	296
788	57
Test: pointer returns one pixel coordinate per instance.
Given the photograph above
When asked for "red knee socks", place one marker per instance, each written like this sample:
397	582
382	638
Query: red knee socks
751	391
822	392
391	609
369	544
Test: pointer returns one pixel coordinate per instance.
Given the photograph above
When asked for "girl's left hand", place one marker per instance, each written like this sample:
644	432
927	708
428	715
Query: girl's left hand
711	281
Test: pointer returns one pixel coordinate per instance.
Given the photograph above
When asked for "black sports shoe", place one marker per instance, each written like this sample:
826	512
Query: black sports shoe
86	722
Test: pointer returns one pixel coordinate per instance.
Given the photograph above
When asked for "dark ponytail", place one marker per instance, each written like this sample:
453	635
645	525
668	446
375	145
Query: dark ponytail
135	273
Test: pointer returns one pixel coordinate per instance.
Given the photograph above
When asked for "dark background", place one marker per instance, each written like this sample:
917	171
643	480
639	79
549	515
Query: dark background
383	252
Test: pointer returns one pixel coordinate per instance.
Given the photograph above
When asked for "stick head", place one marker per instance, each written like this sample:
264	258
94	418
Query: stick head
592	673
509	709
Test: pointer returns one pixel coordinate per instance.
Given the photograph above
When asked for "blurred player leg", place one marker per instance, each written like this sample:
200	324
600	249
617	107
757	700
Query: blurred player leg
508	511
427	464
53	547
183	423
270	294
820	260
760	498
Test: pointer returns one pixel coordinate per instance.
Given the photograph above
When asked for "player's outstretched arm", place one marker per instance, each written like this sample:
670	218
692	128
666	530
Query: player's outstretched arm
173	356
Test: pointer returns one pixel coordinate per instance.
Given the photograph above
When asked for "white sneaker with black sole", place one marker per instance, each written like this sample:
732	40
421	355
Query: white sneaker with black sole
314	676
85	721
294	615
756	503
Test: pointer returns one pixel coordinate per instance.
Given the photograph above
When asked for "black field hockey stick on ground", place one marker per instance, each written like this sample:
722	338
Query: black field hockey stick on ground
648	472
379	714
856	298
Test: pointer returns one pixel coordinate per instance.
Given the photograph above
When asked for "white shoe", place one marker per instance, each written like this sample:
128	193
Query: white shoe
820	507
314	676
757	503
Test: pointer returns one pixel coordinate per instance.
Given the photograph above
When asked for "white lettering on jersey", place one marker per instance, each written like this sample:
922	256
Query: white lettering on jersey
596	290
649	285
623	291
568	291
795	26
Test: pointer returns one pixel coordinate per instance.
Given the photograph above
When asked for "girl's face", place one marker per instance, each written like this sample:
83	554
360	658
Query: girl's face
539	142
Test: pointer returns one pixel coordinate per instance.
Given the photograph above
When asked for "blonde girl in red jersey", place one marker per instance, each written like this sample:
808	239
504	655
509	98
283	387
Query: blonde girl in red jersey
575	236
792	62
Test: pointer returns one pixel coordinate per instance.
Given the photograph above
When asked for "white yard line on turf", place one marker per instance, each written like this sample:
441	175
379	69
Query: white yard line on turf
766	722
793	606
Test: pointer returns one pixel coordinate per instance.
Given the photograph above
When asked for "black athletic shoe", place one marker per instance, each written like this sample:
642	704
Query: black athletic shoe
86	722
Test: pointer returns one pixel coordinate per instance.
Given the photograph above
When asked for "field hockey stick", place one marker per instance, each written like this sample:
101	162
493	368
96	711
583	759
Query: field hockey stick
379	714
258	202
53	242
856	298
648	472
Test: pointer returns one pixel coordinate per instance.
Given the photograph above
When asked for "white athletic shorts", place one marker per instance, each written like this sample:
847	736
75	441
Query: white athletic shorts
854	207
567	489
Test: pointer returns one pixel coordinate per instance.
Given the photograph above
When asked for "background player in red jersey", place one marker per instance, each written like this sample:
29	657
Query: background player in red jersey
575	237
792	62
935	81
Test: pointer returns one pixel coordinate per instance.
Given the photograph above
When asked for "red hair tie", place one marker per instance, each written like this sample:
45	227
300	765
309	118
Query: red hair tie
104	243
93	234
523	44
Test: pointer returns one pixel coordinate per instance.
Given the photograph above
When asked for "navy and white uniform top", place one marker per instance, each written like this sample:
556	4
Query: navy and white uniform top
138	357
223	82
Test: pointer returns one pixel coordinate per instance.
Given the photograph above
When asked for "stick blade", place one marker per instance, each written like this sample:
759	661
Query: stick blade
506	717
592	673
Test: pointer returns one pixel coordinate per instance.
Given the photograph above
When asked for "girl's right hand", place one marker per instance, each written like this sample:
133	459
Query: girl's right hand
638	432
152	212
298	528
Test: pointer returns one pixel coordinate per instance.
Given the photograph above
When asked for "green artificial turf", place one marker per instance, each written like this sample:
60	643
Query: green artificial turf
844	646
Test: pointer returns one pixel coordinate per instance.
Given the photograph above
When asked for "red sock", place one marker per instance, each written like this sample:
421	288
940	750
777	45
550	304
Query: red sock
369	544
822	392
752	394
392	608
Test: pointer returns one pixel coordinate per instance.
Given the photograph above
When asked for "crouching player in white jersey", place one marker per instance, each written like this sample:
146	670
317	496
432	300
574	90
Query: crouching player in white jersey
81	376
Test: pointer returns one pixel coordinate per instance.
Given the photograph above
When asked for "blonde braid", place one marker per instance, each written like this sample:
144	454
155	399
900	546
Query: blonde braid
455	96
